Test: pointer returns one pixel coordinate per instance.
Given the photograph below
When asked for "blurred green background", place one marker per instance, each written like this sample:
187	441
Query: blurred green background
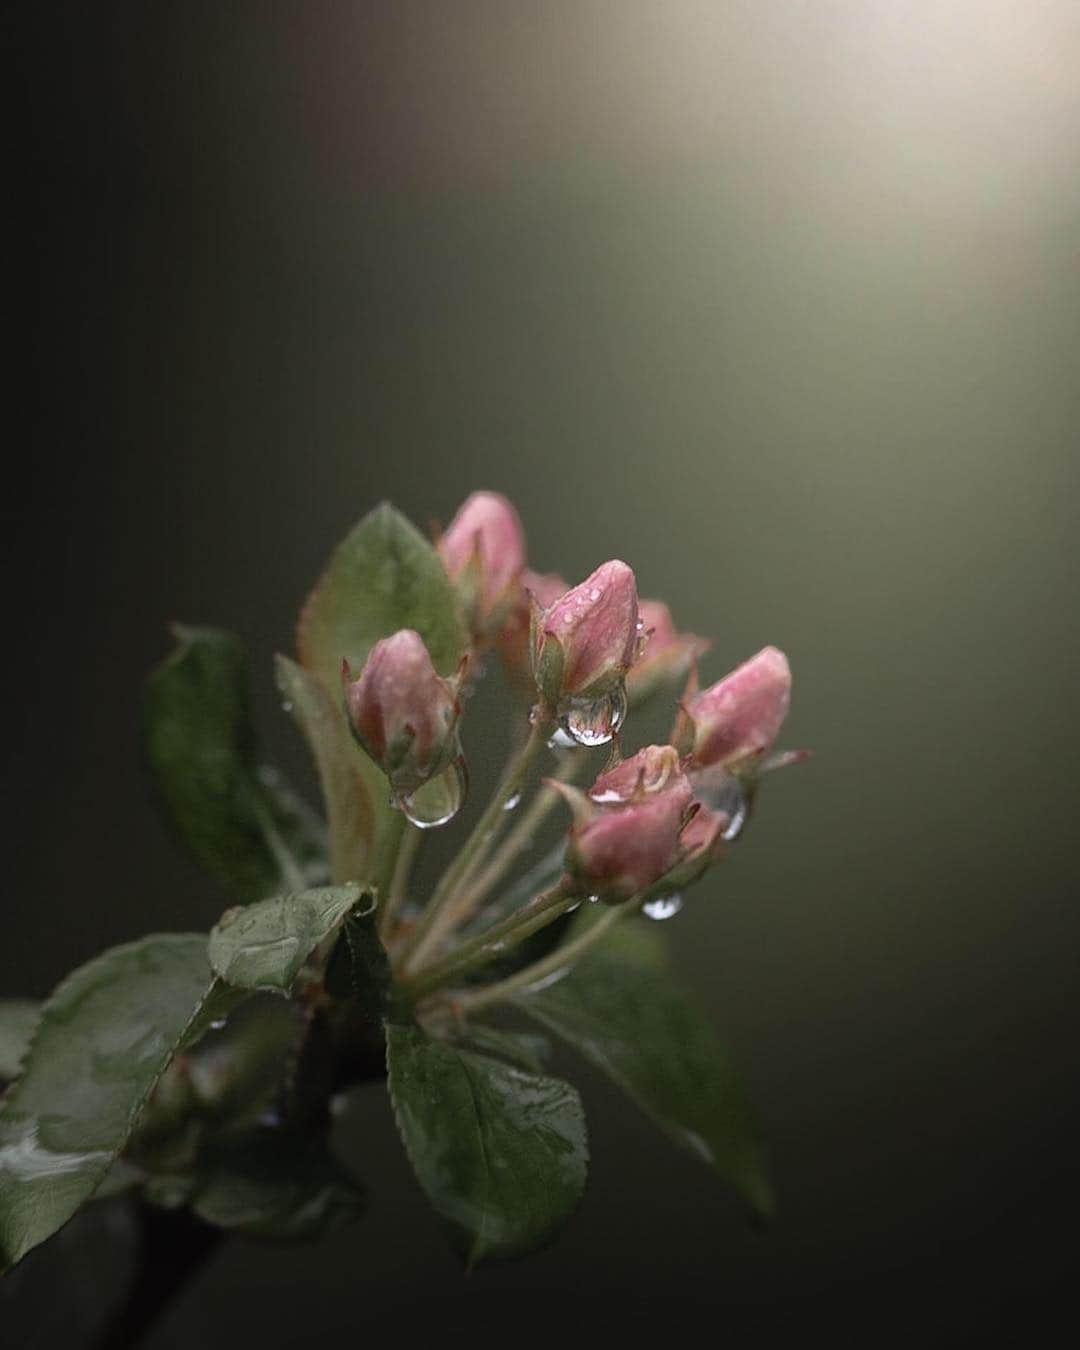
777	301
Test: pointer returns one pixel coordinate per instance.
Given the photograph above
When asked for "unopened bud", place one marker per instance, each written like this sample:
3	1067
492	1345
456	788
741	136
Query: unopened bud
627	829
622	852
666	654
653	769
403	713
583	645
483	551
536	588
737	719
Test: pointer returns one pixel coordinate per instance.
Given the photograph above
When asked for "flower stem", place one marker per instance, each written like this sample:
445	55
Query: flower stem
519	838
543	909
471	1000
433	922
399	882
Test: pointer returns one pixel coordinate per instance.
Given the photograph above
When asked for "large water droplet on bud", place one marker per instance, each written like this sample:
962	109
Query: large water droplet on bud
439	800
663	907
593	721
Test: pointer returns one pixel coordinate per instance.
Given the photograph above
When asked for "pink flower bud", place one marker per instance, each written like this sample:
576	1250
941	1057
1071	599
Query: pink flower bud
653	769
483	551
586	641
739	717
541	589
403	712
666	654
622	852
701	842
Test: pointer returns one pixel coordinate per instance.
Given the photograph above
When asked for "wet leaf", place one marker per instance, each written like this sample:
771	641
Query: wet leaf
265	945
240	822
18	1017
623	1010
500	1153
382	577
105	1037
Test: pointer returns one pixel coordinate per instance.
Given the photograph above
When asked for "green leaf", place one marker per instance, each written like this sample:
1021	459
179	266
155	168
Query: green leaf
105	1037
265	945
625	1013
352	786
248	830
18	1018
359	967
277	1184
500	1153
382	577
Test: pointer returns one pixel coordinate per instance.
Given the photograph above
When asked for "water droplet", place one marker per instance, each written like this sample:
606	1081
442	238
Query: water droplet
218	1024
663	907
722	791
575	906
287	706
512	801
594	899
439	800
594	721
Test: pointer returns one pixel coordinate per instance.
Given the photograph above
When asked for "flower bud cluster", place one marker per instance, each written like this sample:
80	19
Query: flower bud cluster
587	653
653	823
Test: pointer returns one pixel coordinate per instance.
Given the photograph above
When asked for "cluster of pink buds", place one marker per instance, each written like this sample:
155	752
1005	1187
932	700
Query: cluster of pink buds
651	823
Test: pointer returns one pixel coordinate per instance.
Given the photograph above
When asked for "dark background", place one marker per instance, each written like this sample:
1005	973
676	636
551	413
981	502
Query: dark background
777	301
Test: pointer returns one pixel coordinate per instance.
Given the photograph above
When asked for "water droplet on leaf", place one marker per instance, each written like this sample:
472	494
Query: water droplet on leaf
512	801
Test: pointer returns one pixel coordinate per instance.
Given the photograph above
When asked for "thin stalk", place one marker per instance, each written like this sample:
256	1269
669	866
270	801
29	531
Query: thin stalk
399	882
432	925
388	852
543	909
471	1000
519	838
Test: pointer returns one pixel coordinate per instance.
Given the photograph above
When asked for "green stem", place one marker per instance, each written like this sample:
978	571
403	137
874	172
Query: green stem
519	838
399	882
388	853
433	924
496	940
471	1000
